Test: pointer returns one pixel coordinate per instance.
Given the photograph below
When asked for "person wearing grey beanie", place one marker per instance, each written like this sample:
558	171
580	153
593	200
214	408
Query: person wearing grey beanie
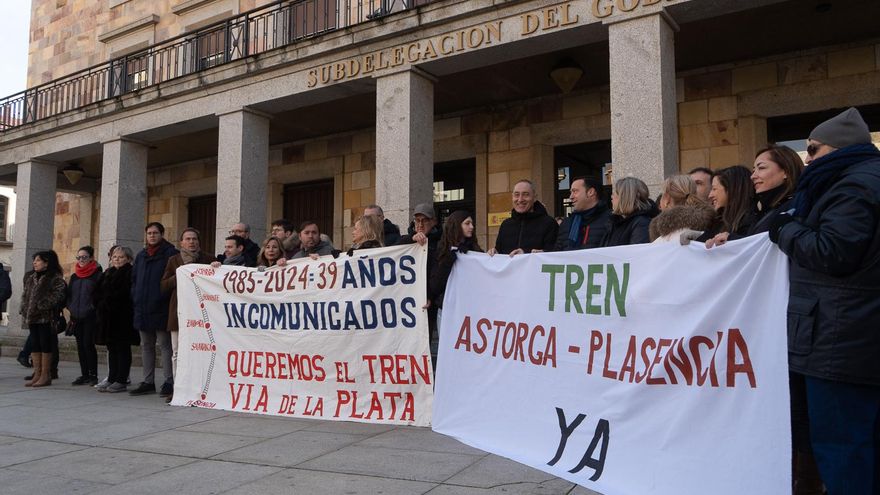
840	131
832	237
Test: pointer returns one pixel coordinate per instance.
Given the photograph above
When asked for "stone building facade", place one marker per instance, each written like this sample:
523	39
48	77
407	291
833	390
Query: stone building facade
449	100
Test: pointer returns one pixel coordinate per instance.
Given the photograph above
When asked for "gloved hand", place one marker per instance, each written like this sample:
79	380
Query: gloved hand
689	235
777	223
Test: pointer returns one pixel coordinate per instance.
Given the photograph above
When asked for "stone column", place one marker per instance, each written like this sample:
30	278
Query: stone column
404	143
123	196
644	122
242	174
34	226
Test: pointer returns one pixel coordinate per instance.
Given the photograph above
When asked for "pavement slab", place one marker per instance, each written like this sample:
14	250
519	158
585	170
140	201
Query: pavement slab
104	465
249	426
186	443
30	450
305	482
412	438
393	463
24	483
66	439
200	477
292	449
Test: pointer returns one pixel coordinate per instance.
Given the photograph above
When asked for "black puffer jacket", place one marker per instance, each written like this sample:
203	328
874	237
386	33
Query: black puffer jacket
81	295
834	298
531	230
633	229
594	225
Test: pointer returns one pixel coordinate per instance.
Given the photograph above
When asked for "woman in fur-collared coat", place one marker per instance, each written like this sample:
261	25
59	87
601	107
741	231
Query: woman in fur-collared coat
116	319
42	296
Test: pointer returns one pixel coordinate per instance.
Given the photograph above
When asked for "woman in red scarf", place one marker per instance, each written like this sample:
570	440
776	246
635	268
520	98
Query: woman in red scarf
81	304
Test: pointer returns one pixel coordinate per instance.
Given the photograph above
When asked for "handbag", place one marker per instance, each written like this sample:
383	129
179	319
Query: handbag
70	328
59	324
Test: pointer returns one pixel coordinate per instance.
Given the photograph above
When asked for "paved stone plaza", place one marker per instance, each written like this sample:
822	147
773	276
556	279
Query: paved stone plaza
74	440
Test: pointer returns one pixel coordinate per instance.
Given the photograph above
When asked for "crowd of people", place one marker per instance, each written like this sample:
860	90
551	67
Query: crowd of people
825	216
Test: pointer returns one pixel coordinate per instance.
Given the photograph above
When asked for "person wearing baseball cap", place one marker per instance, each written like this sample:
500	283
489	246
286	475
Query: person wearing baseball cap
425	230
832	237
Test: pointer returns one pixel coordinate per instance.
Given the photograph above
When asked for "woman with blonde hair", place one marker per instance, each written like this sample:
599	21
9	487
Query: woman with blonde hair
271	254
679	190
681	210
367	232
631	213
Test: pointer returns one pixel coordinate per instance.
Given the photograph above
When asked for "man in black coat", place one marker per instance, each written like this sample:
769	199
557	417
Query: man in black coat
588	222
529	229
832	238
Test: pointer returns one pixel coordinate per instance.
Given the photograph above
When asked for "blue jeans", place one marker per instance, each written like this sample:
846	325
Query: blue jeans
845	433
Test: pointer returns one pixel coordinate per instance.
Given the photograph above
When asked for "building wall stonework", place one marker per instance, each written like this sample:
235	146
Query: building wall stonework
720	125
74	217
721	119
65	35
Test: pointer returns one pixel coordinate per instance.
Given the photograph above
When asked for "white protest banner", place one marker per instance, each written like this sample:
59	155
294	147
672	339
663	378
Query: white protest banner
339	339
649	369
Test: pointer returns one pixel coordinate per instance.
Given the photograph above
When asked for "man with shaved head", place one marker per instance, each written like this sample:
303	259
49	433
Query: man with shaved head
529	229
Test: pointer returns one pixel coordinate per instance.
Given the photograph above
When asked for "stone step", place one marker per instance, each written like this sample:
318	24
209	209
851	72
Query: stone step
11	345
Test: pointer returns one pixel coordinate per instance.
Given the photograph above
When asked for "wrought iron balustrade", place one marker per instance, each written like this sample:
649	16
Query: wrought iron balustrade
251	33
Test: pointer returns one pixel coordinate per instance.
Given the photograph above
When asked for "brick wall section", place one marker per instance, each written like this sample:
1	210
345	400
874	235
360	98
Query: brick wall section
64	33
710	123
68	238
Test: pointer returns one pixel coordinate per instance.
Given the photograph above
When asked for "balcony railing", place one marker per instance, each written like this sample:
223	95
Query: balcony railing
251	33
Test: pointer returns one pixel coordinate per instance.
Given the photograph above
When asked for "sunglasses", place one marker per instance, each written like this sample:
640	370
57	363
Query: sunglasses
813	148
82	258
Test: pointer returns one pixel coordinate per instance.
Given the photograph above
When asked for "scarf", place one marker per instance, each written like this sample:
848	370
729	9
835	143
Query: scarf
577	217
189	256
86	271
152	250
821	174
769	199
237	260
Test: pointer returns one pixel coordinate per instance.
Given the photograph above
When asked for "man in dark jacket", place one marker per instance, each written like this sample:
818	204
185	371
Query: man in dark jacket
151	306
310	242
529	229
190	252
426	231
391	232
588	222
251	248
233	251
832	237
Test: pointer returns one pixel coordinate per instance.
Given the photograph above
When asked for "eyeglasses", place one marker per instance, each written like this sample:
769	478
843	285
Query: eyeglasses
82	258
813	148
